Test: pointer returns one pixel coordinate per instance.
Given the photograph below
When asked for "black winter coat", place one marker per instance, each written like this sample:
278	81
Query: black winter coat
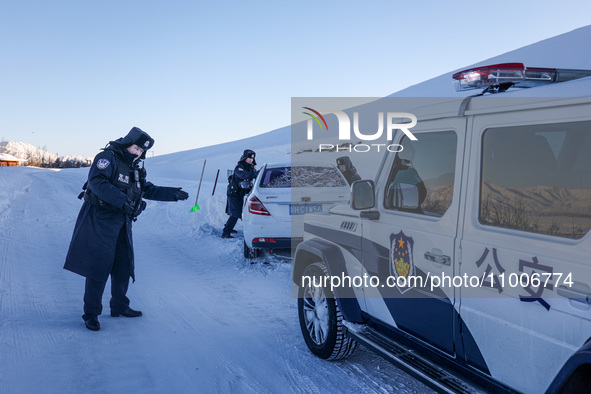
112	179
242	172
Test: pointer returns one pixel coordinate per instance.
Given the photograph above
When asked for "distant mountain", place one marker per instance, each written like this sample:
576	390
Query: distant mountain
40	158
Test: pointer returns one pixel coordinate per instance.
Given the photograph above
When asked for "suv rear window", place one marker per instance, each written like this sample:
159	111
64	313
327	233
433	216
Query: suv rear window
537	178
302	176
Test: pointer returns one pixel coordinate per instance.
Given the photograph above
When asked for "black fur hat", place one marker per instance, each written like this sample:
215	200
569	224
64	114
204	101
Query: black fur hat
249	153
138	137
346	161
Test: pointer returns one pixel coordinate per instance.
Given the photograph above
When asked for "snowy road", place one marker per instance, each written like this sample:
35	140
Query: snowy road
212	322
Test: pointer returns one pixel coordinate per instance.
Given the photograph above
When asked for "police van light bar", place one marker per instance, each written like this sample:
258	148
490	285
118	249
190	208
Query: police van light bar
516	75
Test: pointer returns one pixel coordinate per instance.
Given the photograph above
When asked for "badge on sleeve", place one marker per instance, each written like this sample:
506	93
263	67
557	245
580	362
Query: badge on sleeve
103	163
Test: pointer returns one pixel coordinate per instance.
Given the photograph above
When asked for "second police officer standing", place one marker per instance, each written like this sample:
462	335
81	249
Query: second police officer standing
238	182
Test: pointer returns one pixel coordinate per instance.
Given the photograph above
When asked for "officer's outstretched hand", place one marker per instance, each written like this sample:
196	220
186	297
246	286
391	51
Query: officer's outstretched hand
180	194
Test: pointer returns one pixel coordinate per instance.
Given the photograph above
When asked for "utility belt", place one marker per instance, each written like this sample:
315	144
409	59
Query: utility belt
93	199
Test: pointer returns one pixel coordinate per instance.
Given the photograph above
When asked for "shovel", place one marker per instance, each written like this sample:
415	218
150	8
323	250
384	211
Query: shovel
196	207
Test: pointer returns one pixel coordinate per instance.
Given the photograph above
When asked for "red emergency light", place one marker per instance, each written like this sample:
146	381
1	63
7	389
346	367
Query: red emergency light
502	76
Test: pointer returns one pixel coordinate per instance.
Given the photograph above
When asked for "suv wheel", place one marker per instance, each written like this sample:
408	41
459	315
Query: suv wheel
251	253
321	319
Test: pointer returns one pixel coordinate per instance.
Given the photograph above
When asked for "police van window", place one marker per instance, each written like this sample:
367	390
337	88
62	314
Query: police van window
422	177
537	178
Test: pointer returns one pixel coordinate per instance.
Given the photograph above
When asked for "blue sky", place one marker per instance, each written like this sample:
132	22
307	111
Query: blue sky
76	74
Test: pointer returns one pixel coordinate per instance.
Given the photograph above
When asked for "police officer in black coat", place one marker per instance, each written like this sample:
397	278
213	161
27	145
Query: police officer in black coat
348	169
102	243
243	172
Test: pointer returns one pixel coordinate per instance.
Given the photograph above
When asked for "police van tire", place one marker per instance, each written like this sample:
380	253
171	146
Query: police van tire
321	319
250	253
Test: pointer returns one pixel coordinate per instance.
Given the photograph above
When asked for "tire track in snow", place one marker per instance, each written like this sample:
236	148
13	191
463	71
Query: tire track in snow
295	369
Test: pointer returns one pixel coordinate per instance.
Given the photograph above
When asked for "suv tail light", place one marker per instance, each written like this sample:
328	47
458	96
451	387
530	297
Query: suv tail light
255	206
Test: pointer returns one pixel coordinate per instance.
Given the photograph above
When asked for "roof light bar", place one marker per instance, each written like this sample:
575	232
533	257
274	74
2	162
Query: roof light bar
507	75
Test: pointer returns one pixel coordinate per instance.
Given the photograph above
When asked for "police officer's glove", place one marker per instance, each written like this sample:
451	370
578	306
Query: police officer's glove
128	207
180	194
140	208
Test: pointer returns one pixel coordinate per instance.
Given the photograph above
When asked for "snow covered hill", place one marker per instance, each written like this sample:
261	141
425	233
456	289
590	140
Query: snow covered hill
40	157
212	321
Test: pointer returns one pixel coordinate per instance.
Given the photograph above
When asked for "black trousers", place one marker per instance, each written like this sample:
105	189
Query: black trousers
229	226
120	274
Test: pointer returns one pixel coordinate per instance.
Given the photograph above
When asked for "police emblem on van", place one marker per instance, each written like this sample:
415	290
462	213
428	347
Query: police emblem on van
401	261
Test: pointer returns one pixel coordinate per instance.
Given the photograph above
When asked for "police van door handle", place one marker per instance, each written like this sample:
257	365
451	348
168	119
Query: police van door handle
437	256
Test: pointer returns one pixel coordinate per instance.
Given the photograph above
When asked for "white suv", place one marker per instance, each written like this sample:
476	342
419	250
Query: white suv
282	194
466	260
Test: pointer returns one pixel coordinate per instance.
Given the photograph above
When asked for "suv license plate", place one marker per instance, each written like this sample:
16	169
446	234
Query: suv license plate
302	209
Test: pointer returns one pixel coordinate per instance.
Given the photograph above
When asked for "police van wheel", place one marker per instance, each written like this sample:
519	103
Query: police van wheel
250	253
321	320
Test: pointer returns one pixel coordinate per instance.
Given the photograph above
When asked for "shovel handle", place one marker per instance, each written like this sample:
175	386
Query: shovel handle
200	180
216	182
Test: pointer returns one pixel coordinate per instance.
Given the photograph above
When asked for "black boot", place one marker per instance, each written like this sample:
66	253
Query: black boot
229	227
92	324
126	312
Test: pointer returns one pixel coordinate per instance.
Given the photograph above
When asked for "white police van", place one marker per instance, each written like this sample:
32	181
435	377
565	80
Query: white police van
466	261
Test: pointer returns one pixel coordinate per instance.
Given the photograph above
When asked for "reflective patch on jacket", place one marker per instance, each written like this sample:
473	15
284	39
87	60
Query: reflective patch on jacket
123	178
102	164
